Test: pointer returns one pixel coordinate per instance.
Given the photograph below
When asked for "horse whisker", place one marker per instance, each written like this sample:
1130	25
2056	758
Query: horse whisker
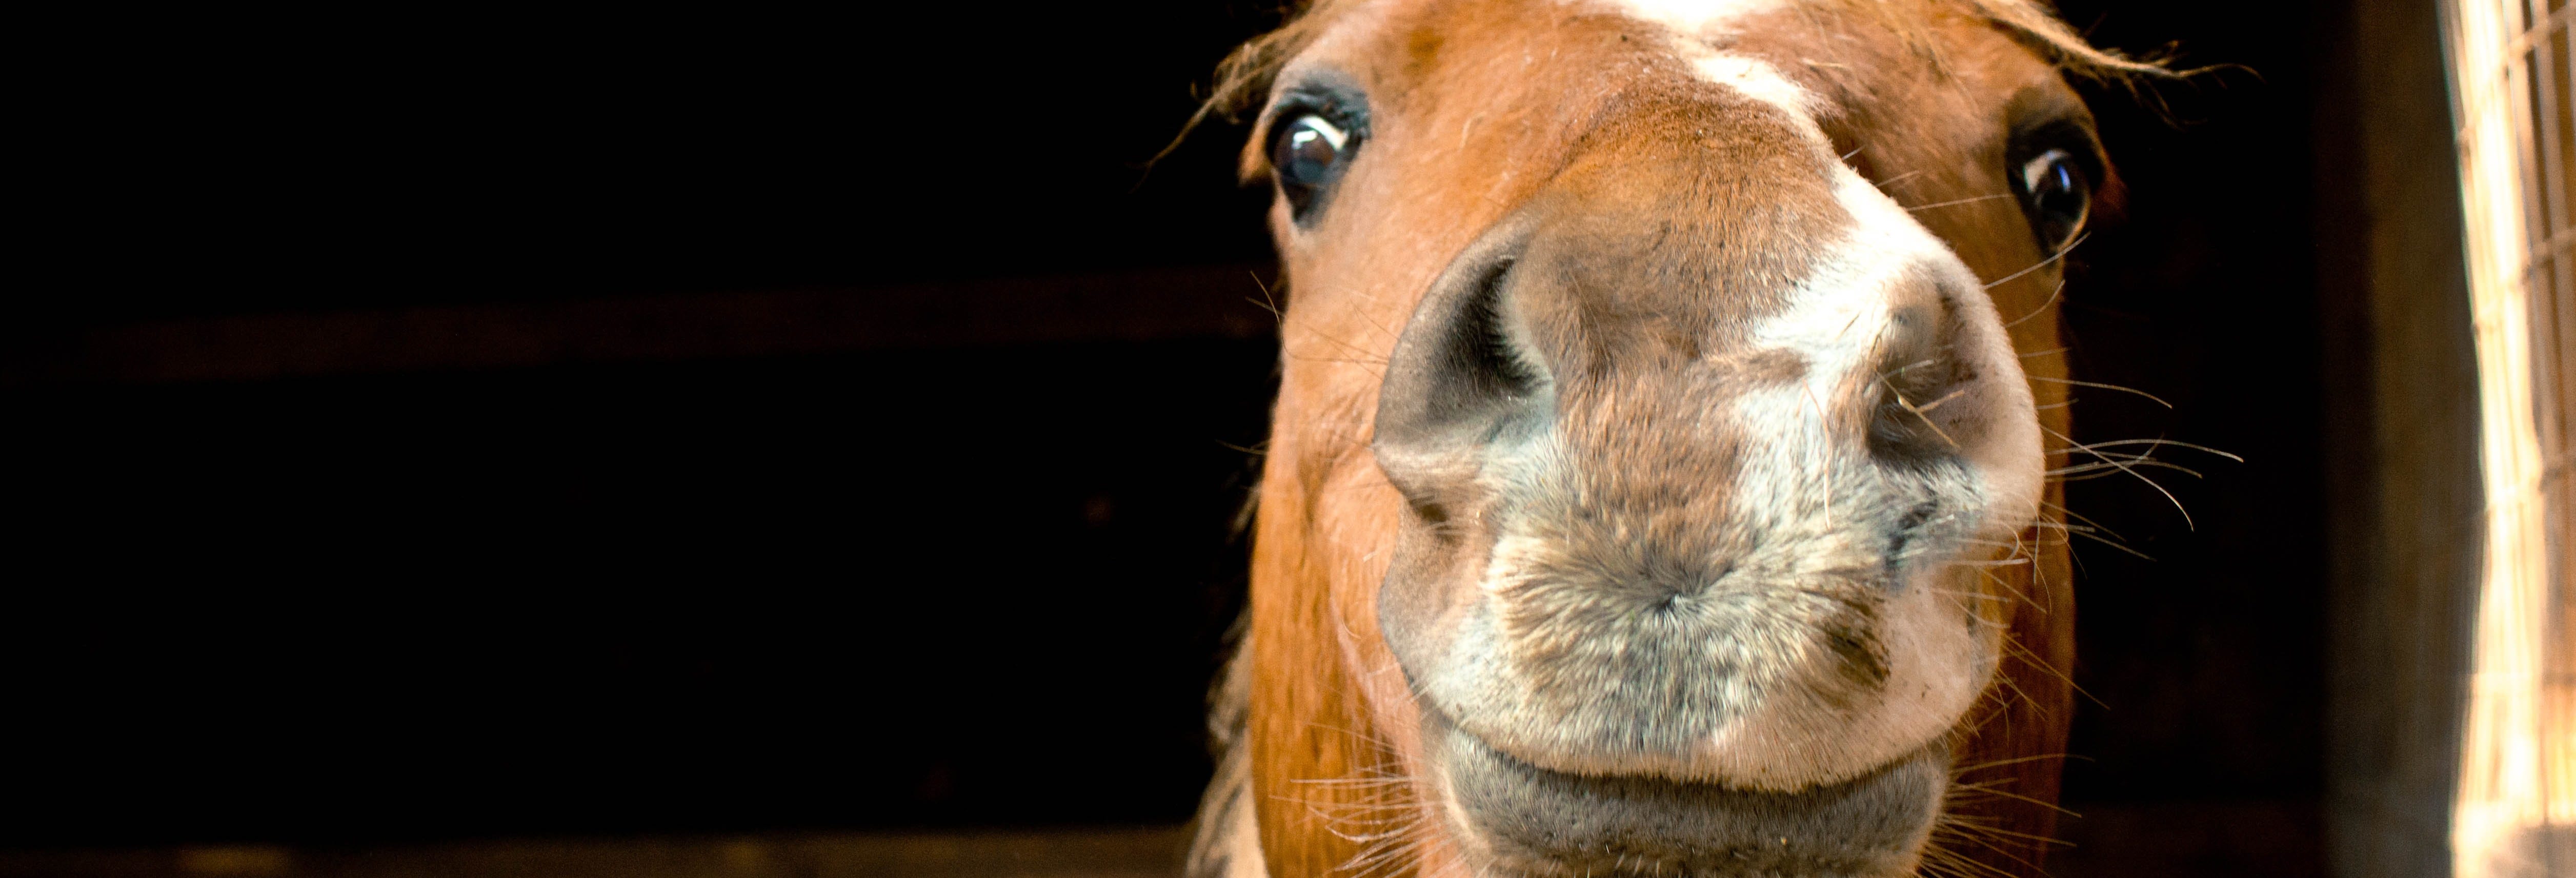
2160	489
2053	257
2199	448
1959	201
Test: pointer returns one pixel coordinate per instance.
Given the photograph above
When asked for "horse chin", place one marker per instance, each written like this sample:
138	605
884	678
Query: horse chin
1514	818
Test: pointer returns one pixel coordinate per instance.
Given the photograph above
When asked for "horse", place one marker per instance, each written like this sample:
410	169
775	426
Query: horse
1664	473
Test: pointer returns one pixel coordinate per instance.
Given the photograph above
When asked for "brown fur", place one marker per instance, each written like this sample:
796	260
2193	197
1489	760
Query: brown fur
1327	747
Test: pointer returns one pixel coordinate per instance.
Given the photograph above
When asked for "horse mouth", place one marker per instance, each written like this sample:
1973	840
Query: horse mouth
1525	820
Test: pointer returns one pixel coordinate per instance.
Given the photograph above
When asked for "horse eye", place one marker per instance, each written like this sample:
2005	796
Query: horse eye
2057	196
1307	153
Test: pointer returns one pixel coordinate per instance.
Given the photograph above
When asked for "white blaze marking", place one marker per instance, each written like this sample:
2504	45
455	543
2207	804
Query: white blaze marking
1760	81
1836	315
1836	319
1696	24
1696	17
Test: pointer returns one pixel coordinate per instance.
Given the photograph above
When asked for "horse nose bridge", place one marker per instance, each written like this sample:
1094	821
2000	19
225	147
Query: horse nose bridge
1570	290
1661	290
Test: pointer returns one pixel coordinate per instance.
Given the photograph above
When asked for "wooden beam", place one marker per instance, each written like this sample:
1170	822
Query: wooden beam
2404	502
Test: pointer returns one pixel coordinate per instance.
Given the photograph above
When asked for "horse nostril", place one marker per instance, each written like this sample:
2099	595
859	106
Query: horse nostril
1908	527
1481	348
1924	390
1464	368
1915	517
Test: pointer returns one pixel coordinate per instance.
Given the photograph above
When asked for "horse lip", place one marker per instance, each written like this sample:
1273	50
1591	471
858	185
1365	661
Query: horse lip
1541	821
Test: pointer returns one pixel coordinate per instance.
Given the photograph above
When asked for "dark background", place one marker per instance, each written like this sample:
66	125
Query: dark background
968	579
